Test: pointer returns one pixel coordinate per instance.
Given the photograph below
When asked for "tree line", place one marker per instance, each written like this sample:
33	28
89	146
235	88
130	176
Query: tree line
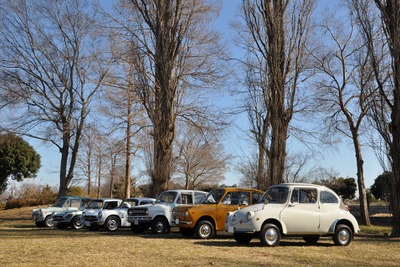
136	80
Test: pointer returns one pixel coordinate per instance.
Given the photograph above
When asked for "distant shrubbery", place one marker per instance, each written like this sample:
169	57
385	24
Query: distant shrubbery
31	195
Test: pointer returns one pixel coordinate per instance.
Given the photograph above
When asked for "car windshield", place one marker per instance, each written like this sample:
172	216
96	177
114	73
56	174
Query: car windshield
60	202
166	197
276	195
213	197
95	204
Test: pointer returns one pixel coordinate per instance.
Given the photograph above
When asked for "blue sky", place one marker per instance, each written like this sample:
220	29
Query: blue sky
341	159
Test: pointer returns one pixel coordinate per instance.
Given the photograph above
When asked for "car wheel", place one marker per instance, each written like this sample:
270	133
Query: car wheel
343	235
187	232
48	222
205	229
311	239
137	229
77	223
270	235
242	238
112	224
160	226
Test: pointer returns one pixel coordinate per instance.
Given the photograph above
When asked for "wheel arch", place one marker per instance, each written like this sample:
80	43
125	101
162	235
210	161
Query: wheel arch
341	221
207	218
162	217
276	222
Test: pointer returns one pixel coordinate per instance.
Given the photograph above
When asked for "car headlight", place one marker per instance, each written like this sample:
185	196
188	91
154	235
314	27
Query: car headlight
250	215
99	215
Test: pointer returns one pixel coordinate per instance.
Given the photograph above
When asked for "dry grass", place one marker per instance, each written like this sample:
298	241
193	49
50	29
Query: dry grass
24	244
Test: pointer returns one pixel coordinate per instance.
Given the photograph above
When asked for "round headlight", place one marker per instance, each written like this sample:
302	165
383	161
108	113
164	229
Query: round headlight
250	215
99	215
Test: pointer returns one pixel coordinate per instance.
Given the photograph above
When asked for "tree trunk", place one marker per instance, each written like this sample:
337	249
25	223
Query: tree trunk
276	86
390	10
360	181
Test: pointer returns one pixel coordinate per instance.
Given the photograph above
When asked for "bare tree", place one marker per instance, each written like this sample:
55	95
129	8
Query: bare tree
390	98
86	160
200	160
345	89
50	63
175	52
122	106
275	35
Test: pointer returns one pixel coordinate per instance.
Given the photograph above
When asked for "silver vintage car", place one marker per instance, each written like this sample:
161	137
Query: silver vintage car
306	210
111	214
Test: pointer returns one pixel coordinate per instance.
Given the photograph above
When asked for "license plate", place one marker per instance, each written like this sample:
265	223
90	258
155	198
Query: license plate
136	222
176	221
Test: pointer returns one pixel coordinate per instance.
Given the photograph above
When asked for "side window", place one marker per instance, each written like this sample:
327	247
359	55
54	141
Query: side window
295	196
328	197
111	205
244	198
75	203
186	199
307	195
233	198
67	204
255	197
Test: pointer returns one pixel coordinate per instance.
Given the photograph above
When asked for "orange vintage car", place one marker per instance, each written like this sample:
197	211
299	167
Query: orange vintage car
209	216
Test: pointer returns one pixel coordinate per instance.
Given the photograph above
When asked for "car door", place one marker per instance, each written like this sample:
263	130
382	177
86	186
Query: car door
301	214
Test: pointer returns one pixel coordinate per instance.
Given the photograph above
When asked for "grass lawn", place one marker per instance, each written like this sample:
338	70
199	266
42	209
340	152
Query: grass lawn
24	244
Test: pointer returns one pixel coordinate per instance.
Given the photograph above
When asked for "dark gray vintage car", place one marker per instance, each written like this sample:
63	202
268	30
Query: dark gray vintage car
43	216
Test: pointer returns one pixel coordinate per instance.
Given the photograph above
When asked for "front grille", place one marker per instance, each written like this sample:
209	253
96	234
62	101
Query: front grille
137	212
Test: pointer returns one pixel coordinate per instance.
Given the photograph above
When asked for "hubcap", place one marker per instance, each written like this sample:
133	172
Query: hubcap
271	236
344	236
112	224
159	227
205	230
78	223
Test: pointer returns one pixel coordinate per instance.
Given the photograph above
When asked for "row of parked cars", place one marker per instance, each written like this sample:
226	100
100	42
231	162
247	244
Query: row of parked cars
306	210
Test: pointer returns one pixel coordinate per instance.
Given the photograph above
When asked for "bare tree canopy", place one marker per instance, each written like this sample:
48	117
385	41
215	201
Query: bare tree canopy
175	55
50	69
274	34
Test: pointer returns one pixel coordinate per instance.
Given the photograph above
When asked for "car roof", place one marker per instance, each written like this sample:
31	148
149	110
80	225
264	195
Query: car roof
184	190
299	185
240	188
107	199
138	198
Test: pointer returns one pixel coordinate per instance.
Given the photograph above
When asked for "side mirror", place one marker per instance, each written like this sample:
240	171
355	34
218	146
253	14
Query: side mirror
266	202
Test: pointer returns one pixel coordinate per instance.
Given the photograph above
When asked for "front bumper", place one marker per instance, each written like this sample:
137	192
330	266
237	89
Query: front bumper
139	220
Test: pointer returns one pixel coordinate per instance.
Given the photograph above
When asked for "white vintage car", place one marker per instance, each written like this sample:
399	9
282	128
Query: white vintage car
110	213
305	210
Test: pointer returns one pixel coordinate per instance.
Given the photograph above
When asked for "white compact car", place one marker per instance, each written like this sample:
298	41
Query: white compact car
305	210
111	213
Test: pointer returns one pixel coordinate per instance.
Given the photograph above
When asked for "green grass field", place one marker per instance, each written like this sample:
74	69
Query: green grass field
24	244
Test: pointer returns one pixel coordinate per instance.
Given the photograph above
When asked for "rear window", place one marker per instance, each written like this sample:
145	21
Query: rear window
328	197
